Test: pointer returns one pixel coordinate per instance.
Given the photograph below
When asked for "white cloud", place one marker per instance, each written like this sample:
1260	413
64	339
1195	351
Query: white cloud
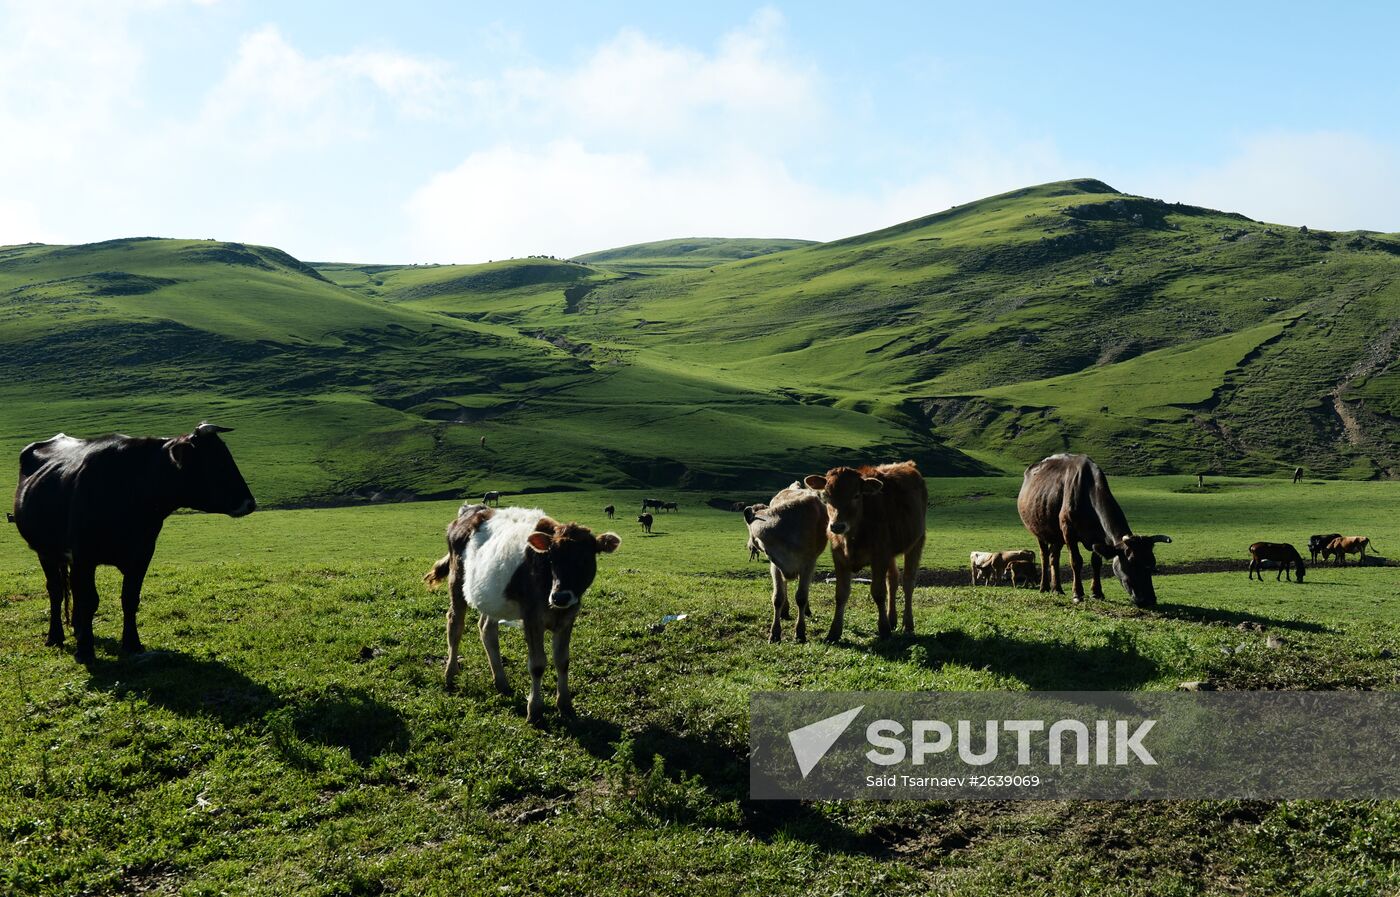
274	98
1324	179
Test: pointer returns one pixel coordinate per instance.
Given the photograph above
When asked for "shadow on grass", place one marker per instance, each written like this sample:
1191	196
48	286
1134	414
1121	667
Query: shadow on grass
1195	614
1042	665
333	716
723	771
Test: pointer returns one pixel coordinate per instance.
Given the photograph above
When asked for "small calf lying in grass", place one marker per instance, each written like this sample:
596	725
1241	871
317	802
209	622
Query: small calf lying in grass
518	564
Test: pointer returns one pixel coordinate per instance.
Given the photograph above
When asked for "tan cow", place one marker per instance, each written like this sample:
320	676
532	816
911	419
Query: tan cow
874	515
1342	546
791	530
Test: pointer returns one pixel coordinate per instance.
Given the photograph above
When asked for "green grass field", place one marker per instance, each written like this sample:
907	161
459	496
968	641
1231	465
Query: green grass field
287	730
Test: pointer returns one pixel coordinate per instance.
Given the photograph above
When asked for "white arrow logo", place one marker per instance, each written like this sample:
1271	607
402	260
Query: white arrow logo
810	743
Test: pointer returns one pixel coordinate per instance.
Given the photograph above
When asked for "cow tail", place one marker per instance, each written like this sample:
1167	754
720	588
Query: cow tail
439	572
65	575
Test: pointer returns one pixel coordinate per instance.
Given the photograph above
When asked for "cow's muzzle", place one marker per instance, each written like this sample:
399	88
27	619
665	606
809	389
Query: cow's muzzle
840	528
245	509
562	600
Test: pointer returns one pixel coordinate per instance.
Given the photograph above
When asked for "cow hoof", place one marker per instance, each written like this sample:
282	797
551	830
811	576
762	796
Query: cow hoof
1078	599
566	710
85	656
535	716
774	638
132	647
55	640
504	689
832	638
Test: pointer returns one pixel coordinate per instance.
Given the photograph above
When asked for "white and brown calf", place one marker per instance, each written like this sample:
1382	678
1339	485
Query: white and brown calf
518	564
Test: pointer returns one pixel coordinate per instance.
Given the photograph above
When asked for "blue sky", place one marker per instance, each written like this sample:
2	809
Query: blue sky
463	132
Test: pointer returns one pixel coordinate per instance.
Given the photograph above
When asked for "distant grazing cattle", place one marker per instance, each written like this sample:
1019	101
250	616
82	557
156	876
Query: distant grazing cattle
980	566
610	511
990	566
791	530
671	506
483	442
1317	545
490	497
646	521
1065	500
82	503
1285	556
874	515
1023	571
652	504
518	564
1297	474
1342	546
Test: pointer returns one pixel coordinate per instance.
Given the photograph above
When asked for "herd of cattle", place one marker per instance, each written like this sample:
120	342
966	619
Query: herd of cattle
84	503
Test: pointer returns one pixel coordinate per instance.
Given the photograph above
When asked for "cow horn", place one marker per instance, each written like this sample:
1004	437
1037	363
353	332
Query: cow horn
1160	538
205	428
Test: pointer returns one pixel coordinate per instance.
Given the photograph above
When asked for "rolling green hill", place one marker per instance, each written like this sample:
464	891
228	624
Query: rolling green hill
661	256
1159	337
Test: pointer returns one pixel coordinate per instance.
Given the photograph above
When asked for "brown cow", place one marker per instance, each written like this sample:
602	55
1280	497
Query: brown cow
791	531
1286	556
1023	570
1342	546
1065	500
874	515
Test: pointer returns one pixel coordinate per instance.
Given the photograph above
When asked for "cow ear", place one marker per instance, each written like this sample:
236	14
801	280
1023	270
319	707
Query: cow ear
815	482
539	541
608	542
870	485
179	450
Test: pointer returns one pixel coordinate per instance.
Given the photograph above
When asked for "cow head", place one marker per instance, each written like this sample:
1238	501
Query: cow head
843	491
1133	564
573	558
209	480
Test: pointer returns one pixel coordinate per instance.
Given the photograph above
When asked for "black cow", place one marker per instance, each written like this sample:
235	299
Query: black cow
646	521
670	506
82	503
1065	501
610	511
652	503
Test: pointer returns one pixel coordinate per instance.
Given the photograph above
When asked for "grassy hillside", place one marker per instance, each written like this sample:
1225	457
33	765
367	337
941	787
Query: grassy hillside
696	252
1159	337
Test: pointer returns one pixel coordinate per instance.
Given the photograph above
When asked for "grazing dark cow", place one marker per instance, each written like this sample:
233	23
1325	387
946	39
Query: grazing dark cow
1297	474
1065	500
671	506
791	530
1317	545
1342	546
610	511
1286	556
490	497
82	503
874	515
646	521
518	564
652	504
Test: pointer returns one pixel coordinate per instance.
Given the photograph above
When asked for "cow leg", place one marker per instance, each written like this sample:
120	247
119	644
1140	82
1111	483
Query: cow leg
911	572
775	632
1096	563
804	589
491	640
879	571
56	579
1045	566
563	697
83	581
892	590
534	642
133	576
843	594
1253	563
1055	570
456	622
